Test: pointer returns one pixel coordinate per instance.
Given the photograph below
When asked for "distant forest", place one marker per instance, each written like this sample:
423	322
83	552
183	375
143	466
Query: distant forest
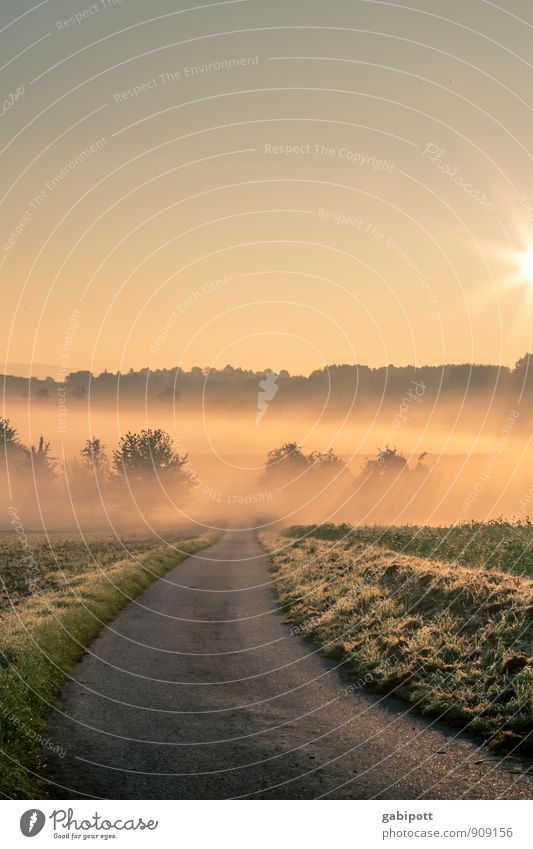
336	387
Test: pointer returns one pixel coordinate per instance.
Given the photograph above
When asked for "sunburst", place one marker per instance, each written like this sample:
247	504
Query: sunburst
526	265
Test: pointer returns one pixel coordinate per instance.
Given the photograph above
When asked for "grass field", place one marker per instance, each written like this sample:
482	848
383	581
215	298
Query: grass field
453	639
496	544
57	594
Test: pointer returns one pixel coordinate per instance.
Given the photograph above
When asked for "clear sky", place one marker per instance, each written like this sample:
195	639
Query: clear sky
266	184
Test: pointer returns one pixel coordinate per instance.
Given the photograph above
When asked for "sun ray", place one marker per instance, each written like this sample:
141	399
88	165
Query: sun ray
527	265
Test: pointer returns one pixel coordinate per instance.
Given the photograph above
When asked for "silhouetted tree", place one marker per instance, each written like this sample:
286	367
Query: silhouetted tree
93	456
149	452
326	459
289	452
12	453
42	461
388	483
8	434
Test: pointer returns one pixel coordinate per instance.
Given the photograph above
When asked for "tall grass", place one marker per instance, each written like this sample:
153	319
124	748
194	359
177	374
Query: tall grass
452	640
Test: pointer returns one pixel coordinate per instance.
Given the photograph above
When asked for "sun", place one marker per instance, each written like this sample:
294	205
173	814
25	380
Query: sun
527	265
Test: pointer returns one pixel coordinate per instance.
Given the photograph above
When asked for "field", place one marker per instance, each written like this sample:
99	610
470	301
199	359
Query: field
497	544
450	632
34	562
57	594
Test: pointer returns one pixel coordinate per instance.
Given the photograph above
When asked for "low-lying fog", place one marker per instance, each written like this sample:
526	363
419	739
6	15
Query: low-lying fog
460	464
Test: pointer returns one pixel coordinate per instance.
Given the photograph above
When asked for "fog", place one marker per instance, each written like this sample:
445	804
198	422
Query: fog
475	465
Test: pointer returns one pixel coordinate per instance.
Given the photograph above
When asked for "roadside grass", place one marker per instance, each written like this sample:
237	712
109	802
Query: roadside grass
454	641
44	634
497	544
34	560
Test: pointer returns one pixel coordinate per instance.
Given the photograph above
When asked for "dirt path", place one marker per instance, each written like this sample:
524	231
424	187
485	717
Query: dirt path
198	690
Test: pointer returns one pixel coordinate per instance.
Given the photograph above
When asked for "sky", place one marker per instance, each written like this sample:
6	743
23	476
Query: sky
271	185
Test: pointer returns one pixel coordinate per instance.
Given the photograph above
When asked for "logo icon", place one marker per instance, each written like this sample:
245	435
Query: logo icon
268	388
32	822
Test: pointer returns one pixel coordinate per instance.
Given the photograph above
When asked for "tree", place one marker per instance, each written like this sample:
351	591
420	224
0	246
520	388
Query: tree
319	481
79	393
388	462
42	461
389	485
93	456
288	453
141	455
12	452
8	434
325	458
290	456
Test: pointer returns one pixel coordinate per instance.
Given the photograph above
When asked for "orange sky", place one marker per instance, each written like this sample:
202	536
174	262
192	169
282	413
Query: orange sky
268	185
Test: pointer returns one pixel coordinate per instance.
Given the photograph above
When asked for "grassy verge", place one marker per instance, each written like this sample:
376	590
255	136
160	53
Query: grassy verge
451	640
44	635
497	544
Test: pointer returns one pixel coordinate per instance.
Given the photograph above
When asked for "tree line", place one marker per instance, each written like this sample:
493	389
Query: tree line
138	455
146	467
236	387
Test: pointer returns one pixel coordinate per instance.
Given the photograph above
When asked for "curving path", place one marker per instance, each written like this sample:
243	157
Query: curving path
198	690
